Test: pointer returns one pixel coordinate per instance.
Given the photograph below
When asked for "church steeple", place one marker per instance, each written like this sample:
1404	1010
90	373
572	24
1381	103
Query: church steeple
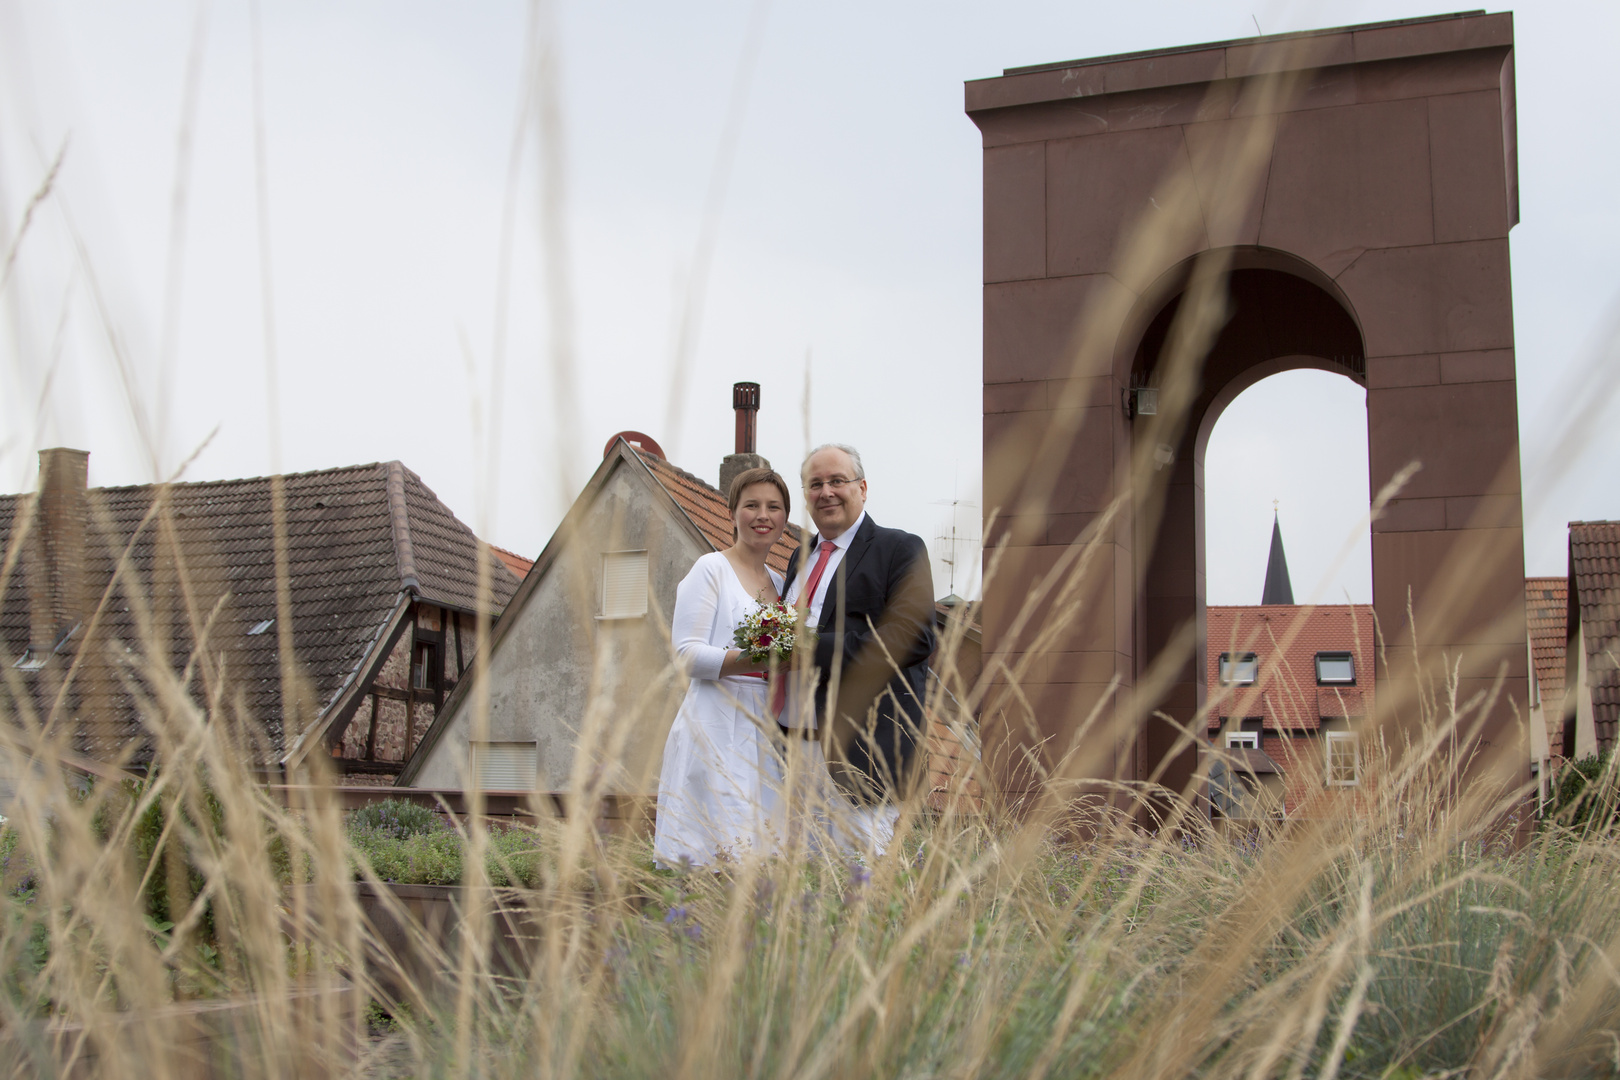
1278	590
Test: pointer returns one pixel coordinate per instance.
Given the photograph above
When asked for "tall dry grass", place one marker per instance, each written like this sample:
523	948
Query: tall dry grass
1411	934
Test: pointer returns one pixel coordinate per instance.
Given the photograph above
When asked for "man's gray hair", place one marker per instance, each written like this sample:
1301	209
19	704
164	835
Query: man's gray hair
854	457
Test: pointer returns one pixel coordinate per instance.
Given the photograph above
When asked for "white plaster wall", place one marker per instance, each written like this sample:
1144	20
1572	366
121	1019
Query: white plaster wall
560	674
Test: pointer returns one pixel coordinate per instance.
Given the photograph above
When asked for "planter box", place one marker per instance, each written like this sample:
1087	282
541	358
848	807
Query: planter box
419	927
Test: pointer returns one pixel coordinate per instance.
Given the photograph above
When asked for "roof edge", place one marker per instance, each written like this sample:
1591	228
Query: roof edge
1256	39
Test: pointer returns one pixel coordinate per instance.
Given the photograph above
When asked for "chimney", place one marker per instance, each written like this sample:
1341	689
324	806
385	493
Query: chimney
745	401
57	547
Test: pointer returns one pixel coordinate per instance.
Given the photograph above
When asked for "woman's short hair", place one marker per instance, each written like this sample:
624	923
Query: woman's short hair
749	477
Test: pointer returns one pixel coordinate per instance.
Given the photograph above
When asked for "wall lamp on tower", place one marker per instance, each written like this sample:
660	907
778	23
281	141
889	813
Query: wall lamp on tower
1141	401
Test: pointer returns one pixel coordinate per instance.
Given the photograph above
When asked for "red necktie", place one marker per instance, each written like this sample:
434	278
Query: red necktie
823	557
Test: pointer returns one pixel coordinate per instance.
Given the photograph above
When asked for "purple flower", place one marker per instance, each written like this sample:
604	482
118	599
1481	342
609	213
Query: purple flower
859	875
695	932
677	915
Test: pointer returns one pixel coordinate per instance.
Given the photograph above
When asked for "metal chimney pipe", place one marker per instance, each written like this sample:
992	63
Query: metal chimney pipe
745	400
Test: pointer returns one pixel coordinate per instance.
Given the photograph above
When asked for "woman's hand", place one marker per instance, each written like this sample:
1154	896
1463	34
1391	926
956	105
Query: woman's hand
736	663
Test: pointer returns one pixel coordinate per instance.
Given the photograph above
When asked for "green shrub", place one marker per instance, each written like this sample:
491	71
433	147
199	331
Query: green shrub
1586	793
423	859
439	858
397	818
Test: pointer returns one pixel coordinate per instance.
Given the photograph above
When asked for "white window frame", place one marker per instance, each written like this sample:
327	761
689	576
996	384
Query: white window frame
1247	740
611	606
1227	662
480	752
1341	739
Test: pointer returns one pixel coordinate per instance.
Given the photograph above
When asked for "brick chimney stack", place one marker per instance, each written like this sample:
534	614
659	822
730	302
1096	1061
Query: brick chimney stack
57	548
745	401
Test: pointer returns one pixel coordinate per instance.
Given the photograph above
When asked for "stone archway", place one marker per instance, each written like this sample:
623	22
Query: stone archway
1358	186
1281	317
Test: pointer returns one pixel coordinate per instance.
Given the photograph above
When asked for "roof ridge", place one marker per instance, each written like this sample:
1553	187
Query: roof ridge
677	470
400	519
211	483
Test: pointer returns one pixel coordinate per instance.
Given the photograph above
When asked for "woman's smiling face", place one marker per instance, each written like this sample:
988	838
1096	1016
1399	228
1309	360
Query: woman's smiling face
760	516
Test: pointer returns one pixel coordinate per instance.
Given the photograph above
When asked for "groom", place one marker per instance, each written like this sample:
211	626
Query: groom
871	600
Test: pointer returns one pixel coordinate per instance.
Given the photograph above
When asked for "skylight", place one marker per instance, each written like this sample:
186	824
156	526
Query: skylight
1239	669
1335	669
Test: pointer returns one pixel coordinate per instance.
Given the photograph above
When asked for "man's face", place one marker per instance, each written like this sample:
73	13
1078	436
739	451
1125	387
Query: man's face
836	498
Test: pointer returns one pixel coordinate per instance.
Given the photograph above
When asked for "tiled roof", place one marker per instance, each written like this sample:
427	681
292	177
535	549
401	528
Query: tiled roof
357	537
707	508
514	562
1286	638
1594	568
1547	603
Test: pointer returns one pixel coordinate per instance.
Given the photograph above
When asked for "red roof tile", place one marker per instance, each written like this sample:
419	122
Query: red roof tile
1594	567
1547	611
1286	638
514	562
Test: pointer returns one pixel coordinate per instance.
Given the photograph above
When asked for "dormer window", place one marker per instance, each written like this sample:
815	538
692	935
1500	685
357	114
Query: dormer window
1239	669
1335	669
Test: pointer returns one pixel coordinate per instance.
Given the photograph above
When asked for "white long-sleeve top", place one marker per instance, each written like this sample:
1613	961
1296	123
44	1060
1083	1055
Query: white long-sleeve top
709	604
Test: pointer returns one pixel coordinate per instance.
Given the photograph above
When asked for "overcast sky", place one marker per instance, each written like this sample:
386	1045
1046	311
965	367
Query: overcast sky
847	239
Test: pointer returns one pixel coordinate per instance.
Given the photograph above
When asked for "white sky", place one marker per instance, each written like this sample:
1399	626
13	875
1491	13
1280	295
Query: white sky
849	234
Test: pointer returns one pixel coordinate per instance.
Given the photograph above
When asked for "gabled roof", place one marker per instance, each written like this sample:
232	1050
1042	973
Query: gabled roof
1546	602
696	504
1594	578
1285	638
362	541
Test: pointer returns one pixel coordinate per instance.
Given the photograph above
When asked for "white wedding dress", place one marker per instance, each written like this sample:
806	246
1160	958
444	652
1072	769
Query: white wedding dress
718	790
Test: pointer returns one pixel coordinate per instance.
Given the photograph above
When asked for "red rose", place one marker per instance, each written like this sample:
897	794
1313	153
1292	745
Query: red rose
764	641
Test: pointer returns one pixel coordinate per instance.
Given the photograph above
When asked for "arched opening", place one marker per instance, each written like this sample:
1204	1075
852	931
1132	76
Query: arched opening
1282	315
1292	447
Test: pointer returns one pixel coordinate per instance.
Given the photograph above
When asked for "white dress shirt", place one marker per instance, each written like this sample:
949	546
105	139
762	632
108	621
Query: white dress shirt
808	561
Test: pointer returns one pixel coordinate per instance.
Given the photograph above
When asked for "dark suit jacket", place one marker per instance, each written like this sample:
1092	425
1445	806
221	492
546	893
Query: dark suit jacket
876	633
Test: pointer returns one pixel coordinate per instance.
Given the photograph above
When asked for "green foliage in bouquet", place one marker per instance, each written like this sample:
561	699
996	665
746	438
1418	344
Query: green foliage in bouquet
772	630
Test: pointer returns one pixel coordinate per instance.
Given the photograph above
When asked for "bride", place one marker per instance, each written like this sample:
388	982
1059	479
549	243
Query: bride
717	794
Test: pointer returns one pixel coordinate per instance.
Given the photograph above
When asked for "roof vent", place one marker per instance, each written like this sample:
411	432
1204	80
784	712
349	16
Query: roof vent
642	443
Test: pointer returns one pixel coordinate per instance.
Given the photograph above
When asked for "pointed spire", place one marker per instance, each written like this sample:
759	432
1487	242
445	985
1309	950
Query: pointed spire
1278	590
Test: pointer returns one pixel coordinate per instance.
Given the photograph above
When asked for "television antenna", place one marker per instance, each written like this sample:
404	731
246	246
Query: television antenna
952	542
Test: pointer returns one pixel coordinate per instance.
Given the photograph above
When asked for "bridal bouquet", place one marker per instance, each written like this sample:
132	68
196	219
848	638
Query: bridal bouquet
771	630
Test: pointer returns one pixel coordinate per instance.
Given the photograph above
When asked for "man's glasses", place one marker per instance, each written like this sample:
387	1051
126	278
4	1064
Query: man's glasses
836	483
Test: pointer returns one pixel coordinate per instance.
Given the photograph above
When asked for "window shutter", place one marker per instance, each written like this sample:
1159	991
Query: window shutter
624	584
507	766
